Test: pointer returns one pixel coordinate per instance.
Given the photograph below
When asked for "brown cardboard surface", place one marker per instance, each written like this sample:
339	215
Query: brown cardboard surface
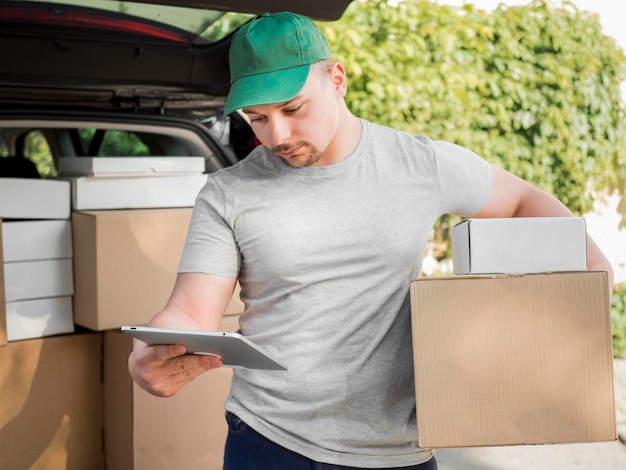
3	312
125	264
51	405
144	432
507	360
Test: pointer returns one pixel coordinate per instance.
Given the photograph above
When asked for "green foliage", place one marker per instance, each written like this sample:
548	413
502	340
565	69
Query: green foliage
115	143
534	89
216	26
37	150
618	320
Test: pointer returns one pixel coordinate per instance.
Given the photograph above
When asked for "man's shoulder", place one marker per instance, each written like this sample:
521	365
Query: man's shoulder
387	138
258	162
378	130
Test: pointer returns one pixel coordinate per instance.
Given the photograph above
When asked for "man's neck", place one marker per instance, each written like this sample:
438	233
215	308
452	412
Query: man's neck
345	142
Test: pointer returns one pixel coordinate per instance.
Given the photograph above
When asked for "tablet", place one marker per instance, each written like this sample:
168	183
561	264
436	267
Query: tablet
235	349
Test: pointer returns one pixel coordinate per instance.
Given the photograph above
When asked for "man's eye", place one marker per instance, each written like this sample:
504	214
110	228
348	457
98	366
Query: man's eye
255	119
293	110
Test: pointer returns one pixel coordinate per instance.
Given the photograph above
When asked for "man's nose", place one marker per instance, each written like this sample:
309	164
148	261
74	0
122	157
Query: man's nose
279	132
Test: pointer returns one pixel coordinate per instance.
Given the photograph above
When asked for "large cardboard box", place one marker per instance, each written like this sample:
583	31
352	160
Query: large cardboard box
505	360
125	264
519	245
52	400
135	192
38	279
38	318
27	198
130	166
144	432
36	240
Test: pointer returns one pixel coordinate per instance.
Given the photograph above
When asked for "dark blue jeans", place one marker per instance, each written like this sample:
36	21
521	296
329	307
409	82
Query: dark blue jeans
248	450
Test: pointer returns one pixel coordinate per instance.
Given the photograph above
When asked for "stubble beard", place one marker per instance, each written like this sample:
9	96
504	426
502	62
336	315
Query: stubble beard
313	157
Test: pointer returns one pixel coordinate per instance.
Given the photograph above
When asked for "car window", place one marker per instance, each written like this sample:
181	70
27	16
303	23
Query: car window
37	150
44	142
116	143
93	142
33	147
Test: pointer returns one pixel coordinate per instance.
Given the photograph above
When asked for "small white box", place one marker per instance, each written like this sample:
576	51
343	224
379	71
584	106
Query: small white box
27	198
36	240
38	279
91	193
130	166
519	245
38	318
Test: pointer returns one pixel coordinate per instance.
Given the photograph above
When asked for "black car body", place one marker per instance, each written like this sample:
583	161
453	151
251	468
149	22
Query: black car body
77	74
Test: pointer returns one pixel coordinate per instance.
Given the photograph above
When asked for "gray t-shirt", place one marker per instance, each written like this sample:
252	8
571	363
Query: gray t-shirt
325	256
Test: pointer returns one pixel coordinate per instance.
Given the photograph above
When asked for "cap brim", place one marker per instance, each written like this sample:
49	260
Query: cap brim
267	88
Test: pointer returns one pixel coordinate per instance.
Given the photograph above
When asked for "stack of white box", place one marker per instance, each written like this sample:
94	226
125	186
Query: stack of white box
133	182
36	258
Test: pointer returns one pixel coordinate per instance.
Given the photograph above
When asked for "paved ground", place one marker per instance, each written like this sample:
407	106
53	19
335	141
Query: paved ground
586	456
598	456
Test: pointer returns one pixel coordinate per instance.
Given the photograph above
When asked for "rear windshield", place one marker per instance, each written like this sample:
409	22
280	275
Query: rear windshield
201	25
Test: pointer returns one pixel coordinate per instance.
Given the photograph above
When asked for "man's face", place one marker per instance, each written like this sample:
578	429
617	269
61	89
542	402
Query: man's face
301	131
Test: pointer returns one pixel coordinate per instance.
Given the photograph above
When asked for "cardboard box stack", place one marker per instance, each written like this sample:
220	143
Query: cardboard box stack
36	258
51	407
38	278
517	349
112	232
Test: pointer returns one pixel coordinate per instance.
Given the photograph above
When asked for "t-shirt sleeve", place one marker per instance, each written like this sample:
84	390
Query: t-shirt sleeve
210	246
466	179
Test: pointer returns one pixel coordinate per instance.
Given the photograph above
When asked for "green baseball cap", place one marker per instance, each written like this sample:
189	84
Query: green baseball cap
270	59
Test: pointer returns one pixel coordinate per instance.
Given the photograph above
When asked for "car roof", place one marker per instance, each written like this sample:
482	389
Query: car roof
162	56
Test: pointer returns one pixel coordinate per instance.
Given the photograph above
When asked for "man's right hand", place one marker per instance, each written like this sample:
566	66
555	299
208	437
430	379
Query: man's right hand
198	302
163	370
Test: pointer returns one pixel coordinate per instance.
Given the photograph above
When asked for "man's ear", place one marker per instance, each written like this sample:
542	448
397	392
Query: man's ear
339	79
